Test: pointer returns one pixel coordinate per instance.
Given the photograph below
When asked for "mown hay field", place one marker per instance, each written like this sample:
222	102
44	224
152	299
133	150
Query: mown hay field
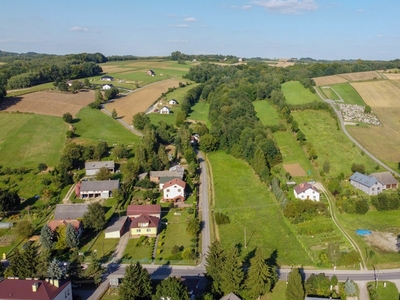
250	204
267	113
382	141
140	100
391	76
360	76
383	93
328	80
348	93
48	103
29	139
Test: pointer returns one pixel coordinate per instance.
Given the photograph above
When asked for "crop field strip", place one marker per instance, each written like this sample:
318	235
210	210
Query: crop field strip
140	100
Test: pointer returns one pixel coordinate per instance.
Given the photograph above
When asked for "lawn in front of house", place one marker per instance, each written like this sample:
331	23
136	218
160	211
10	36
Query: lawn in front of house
135	252
251	206
88	123
385	289
296	93
174	233
156	117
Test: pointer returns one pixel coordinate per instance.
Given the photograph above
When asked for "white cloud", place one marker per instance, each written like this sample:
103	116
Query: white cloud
287	6
246	7
189	20
360	10
243	7
79	29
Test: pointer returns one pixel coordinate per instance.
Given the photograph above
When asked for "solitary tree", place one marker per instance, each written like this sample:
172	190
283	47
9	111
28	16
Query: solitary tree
171	288
136	283
103	174
215	260
71	236
94	217
55	270
140	120
46	237
67	117
114	113
76	86
232	273
24	229
295	287
260	277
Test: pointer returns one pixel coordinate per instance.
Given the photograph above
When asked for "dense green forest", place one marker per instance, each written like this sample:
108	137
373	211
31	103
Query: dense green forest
25	70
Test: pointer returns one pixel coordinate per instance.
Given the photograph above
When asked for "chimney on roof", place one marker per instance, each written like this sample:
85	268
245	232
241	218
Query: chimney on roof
56	283
35	286
47	279
301	185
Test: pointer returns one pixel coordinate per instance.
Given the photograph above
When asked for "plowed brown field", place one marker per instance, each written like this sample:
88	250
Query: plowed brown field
48	103
140	100
359	76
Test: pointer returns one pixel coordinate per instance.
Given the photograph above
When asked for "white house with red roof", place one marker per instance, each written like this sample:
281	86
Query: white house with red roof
174	190
306	191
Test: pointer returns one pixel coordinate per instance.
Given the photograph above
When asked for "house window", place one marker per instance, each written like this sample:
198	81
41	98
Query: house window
179	190
138	230
373	189
148	230
167	190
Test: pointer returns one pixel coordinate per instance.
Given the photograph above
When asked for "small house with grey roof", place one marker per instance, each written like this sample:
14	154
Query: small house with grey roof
96	188
367	184
92	167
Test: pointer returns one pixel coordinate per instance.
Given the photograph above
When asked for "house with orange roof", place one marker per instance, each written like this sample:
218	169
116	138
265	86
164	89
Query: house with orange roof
144	219
306	191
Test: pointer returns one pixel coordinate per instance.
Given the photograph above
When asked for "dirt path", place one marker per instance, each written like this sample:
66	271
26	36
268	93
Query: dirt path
68	195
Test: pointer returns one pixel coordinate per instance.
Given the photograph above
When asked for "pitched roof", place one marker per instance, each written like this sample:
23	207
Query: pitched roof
152	221
93	165
179	169
164	174
143	209
116	224
230	296
176	181
363	179
302	187
384	177
70	211
22	289
166	179
53	224
99	185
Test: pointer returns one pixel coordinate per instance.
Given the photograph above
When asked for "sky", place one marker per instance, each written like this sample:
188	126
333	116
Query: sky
321	29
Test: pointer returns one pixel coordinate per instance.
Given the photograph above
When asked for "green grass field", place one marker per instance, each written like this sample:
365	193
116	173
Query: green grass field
295	93
292	152
180	93
348	93
388	291
94	126
328	93
376	221
157	117
267	113
200	113
331	145
251	206
36	88
28	139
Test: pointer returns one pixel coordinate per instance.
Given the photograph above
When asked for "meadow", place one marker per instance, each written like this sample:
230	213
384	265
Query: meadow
156	117
251	206
28	139
320	129
93	126
328	93
295	93
199	113
348	93
267	113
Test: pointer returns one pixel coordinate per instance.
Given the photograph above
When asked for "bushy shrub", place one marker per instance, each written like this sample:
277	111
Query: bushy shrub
221	218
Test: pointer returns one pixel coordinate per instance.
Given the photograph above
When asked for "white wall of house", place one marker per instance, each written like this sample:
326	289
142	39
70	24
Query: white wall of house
93	194
65	294
376	189
307	194
91	172
174	191
113	235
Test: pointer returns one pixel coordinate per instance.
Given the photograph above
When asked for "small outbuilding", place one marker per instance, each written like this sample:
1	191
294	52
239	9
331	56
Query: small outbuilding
92	167
107	86
117	228
98	188
106	78
165	110
172	102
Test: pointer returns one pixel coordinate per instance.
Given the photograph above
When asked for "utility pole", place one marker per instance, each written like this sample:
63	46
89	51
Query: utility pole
245	240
